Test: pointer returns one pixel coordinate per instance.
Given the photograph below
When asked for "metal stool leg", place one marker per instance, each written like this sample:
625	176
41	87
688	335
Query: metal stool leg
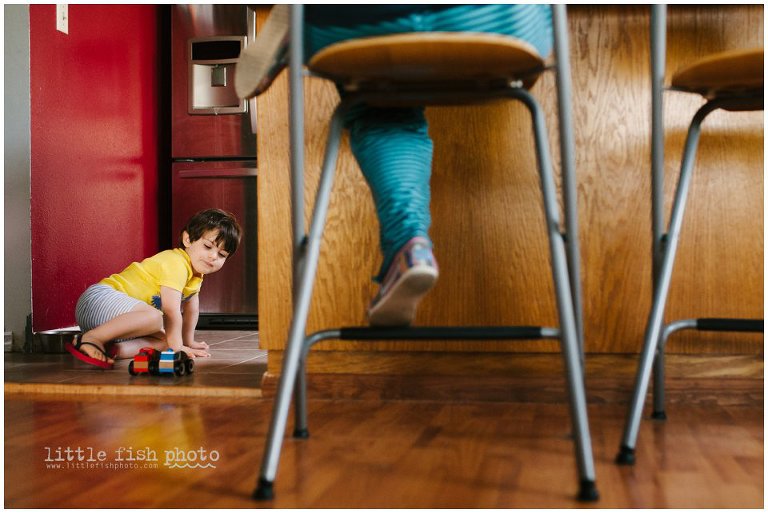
656	318
568	333
703	324
301	421
563	77
295	343
658	383
300	429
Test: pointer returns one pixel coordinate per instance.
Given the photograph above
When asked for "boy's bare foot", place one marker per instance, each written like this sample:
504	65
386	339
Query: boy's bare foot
95	350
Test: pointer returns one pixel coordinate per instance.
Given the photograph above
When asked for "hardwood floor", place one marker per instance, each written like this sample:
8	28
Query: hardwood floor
371	454
235	367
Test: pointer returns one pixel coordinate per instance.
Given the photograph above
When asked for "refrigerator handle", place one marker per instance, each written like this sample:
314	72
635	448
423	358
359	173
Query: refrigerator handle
252	114
250	38
233	172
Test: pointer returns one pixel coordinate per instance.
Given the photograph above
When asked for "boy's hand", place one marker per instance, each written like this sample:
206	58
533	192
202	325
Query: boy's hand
193	353
198	344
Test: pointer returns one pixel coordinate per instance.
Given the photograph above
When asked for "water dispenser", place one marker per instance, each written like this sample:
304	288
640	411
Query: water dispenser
212	63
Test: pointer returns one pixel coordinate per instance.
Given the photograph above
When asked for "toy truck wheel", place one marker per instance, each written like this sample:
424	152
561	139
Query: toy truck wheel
190	366
179	369
154	368
130	369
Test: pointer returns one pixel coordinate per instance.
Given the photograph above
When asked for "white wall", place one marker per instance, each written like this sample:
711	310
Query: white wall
16	175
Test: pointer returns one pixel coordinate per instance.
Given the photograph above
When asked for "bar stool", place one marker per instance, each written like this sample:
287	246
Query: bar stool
732	81
392	70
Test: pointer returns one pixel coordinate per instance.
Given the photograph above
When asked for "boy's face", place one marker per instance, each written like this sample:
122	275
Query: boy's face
205	255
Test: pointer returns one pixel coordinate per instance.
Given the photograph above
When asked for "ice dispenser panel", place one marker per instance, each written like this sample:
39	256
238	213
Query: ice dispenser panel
212	63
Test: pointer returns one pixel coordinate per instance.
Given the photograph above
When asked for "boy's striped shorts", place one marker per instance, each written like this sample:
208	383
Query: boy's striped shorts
101	303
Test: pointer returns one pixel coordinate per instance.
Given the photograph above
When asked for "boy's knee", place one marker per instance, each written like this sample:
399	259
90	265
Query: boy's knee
156	319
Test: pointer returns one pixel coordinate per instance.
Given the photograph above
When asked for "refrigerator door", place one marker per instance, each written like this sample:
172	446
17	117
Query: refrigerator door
207	120
230	186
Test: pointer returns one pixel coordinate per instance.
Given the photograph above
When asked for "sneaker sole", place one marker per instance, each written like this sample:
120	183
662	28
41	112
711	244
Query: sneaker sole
252	75
399	306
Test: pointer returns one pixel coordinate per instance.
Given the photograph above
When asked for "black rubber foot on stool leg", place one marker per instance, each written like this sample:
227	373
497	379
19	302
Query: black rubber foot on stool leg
301	433
588	491
659	415
264	491
626	456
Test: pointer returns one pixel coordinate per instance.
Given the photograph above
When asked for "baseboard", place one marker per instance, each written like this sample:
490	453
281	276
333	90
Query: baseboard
725	380
720	391
526	365
223	321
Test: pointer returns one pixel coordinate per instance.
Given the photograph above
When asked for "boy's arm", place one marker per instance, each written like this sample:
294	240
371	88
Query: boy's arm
175	322
191	314
172	320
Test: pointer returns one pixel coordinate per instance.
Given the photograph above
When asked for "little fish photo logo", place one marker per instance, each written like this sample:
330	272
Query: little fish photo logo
199	458
127	458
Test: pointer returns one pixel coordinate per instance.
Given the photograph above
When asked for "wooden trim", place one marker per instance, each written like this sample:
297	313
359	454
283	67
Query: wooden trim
700	391
725	380
130	390
612	366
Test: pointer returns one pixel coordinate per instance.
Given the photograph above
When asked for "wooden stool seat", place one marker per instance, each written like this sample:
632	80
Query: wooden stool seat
433	57
722	74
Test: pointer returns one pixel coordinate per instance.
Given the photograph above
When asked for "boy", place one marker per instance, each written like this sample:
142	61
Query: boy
155	302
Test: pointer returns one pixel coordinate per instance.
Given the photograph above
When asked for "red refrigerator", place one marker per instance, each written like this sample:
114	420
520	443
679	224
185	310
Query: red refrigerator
213	140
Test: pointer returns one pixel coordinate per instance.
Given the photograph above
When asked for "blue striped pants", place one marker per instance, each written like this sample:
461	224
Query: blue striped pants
392	145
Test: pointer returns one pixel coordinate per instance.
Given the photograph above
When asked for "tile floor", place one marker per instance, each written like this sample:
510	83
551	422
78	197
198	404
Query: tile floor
236	361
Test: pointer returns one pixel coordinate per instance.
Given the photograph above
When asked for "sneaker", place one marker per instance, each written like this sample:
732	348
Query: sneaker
263	59
412	274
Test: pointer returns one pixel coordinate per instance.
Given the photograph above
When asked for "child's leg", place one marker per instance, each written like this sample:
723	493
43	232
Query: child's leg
105	314
394	152
127	349
141	321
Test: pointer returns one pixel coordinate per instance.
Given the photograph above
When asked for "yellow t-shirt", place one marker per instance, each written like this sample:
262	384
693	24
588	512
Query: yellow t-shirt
142	280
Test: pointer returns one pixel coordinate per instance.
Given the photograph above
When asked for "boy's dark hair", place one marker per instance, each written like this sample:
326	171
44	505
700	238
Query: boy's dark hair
214	219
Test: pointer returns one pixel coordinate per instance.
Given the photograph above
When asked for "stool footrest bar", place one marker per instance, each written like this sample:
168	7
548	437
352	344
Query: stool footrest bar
717	324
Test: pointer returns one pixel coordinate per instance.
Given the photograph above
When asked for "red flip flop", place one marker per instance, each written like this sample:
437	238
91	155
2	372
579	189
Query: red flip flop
74	349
